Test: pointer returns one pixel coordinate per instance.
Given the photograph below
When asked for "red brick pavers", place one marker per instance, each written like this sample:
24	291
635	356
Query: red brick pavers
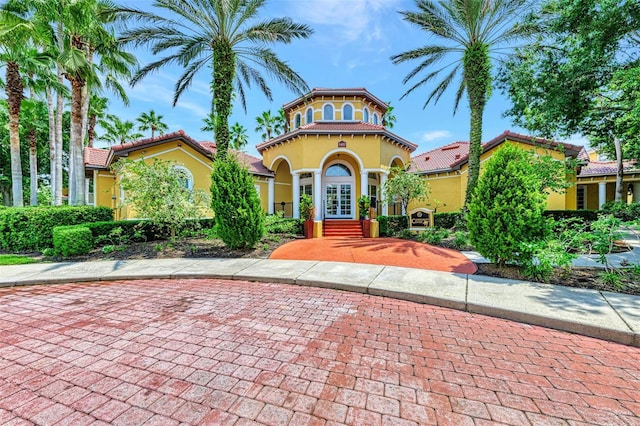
212	352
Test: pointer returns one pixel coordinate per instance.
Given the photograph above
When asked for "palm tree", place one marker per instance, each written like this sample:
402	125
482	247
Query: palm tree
222	35
151	121
15	37
238	135
267	124
389	118
118	131
97	111
209	123
470	31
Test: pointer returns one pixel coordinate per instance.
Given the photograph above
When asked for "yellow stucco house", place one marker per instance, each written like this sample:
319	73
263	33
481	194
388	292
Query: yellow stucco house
338	148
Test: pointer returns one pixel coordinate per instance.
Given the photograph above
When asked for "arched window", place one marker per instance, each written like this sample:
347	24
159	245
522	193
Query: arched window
365	115
327	112
375	118
185	177
347	112
297	121
309	118
338	170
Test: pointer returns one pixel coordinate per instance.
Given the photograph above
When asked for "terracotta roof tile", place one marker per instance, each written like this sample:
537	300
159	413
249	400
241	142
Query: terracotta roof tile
253	163
442	158
606	168
96	157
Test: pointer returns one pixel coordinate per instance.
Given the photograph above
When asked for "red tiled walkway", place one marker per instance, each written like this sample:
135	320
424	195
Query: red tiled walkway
217	352
379	251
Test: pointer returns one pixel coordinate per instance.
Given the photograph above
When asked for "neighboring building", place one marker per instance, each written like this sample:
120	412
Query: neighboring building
337	149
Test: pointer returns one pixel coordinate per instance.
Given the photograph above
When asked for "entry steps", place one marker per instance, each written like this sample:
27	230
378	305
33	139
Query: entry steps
342	228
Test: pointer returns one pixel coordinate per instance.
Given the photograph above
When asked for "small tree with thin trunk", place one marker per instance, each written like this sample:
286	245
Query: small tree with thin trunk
405	187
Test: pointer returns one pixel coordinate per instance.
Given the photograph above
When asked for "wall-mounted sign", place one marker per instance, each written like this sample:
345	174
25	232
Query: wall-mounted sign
420	219
342	144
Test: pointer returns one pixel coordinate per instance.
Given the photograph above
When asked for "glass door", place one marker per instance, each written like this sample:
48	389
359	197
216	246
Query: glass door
338	202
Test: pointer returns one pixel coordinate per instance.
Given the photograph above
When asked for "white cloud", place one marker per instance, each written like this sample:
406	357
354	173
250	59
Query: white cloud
435	135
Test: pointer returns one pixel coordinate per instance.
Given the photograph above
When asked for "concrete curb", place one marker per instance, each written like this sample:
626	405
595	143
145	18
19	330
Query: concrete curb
608	316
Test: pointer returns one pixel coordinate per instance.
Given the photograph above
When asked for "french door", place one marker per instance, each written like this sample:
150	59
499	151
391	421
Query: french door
338	201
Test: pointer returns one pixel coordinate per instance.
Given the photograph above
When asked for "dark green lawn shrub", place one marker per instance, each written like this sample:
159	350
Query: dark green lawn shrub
433	236
142	230
72	240
448	220
392	225
31	228
236	204
623	211
505	211
586	216
276	224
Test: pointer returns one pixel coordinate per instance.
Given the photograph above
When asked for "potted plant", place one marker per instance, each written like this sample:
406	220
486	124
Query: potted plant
307	213
364	204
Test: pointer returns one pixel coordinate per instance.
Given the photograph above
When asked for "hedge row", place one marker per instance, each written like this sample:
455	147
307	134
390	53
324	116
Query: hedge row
116	232
31	228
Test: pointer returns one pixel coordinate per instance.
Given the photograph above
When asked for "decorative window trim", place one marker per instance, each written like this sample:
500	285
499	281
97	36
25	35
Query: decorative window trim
344	106
188	174
324	112
365	115
309	115
297	120
376	118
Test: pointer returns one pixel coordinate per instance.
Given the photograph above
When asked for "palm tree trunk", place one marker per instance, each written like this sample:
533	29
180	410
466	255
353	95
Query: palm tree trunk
223	69
91	130
477	77
52	142
13	89
76	160
57	201
619	171
33	166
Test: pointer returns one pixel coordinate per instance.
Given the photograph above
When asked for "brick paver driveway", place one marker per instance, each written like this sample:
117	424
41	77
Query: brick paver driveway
221	352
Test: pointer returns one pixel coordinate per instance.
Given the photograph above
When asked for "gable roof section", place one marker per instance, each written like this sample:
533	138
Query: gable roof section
600	168
101	159
453	156
317	92
337	128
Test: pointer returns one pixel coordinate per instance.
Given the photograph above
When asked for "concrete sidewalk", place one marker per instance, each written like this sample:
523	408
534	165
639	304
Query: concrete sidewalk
604	315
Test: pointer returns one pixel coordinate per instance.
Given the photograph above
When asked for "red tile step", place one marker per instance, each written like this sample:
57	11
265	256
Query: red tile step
342	228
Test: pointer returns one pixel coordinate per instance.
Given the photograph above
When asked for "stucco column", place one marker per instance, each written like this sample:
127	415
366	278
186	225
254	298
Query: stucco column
636	192
296	195
271	197
317	194
385	206
364	183
602	194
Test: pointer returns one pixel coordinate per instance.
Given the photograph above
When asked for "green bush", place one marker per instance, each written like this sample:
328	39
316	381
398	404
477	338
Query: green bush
433	236
448	220
392	225
506	208
277	224
141	230
31	228
72	240
623	211
235	202
460	240
585	216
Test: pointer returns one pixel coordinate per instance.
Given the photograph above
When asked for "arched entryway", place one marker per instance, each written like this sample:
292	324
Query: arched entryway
339	189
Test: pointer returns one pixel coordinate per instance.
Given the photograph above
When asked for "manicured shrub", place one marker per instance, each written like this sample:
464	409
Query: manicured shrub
392	225
142	230
235	202
585	216
447	220
505	211
72	240
277	224
31	228
623	211
433	236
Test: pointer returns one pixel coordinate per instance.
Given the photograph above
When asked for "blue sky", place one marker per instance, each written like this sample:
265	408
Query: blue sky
351	47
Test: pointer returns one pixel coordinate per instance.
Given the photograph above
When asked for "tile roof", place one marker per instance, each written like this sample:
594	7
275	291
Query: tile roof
337	127
253	163
595	168
96	157
348	92
452	156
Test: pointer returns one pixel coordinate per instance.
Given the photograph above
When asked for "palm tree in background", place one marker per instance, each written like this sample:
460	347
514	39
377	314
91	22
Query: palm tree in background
267	124
238	135
97	111
118	131
389	118
468	33
224	36
151	121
